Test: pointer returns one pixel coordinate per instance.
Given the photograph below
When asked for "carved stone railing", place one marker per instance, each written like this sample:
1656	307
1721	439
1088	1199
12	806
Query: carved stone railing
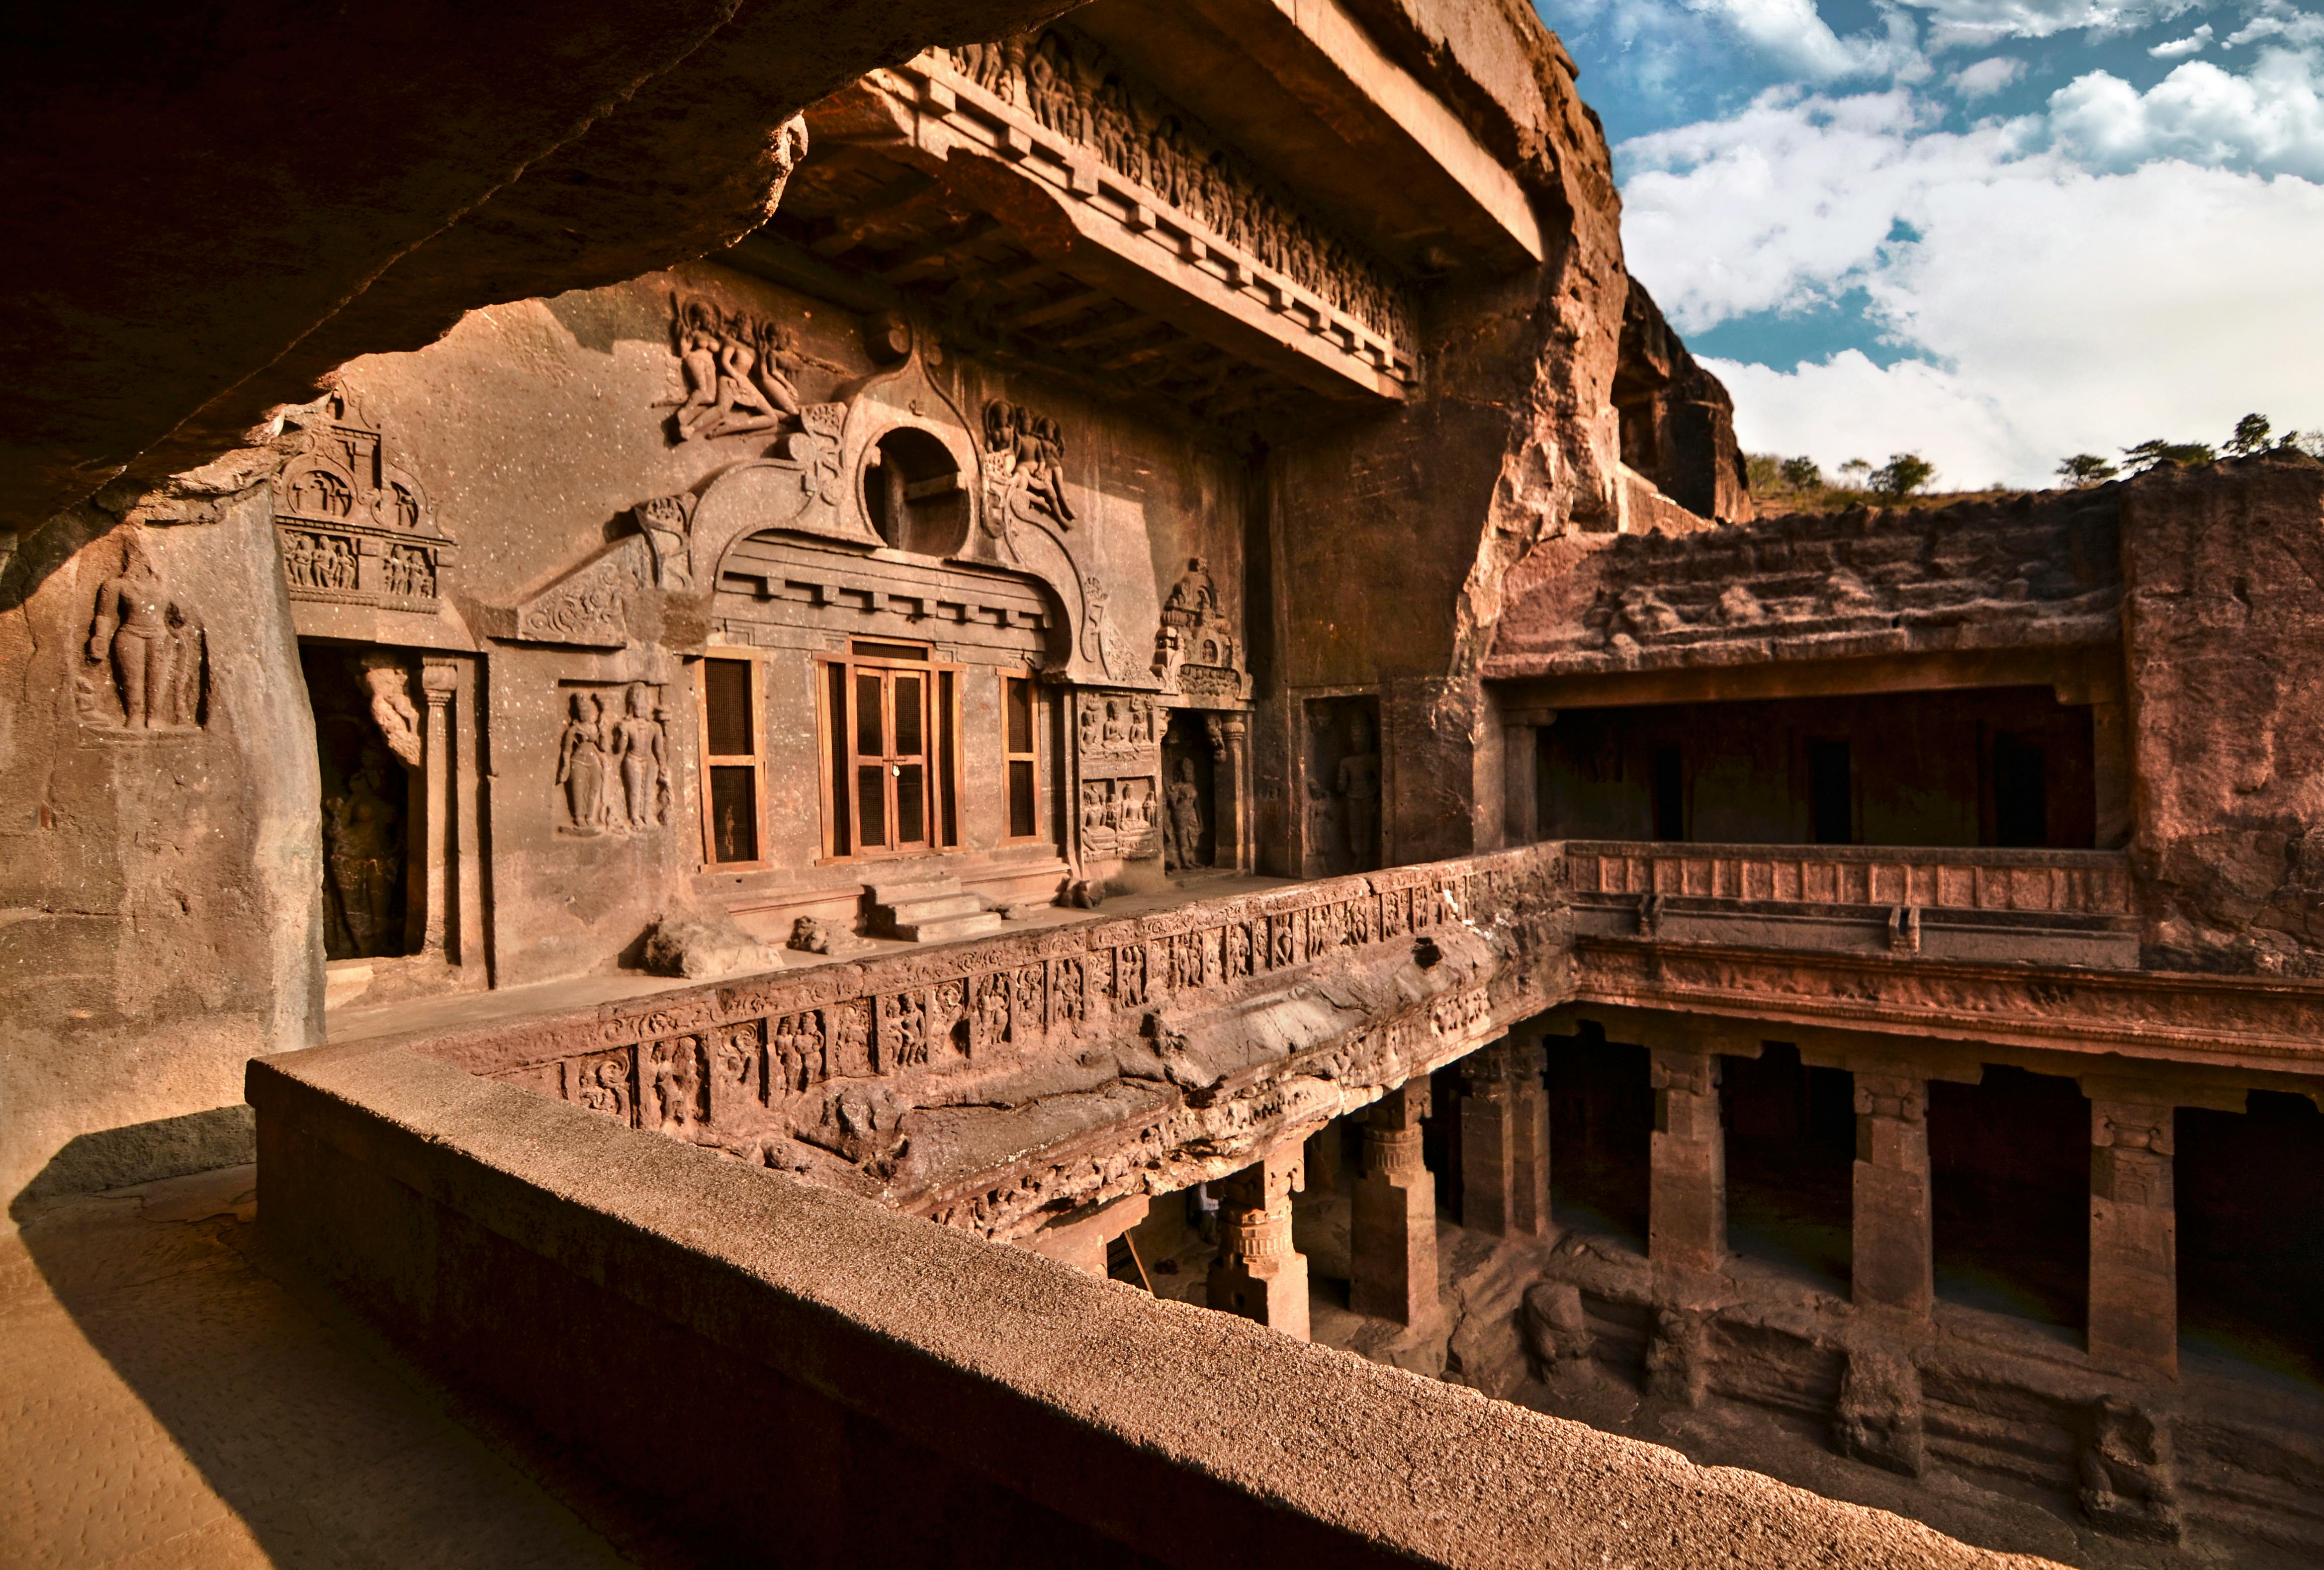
1162	194
2067	883
990	1083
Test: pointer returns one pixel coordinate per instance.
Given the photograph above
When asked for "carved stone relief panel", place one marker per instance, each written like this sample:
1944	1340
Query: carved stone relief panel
1024	464
1118	746
1197	652
354	527
144	668
612	758
741	374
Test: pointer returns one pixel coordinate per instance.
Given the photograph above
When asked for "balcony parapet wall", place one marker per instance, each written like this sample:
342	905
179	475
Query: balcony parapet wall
657	1313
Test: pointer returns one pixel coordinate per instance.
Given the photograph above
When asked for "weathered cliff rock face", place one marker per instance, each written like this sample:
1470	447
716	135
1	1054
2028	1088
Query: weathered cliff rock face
1678	423
2224	642
227	211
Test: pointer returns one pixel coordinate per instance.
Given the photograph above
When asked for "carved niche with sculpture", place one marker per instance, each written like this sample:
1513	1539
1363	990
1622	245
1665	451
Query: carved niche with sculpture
1118	751
145	666
612	759
1197	652
355	528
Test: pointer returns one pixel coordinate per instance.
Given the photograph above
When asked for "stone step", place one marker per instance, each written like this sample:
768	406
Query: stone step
928	910
933	907
945	929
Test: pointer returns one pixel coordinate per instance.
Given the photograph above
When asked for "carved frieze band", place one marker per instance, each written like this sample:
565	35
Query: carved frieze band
1060	109
829	1055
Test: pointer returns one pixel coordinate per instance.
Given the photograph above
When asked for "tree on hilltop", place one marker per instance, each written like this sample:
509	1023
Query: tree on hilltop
2085	469
2156	451
1904	474
2250	436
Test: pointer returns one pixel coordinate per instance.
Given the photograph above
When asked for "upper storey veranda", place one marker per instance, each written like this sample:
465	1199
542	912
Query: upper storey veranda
1232	207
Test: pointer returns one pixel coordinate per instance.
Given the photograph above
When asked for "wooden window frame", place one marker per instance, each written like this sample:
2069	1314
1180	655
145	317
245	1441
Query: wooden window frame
756	759
1010	757
837	760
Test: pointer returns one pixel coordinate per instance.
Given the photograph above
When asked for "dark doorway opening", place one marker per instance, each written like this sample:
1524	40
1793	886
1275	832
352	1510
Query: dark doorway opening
1439	1140
366	802
1670	792
1791	1162
1831	793
2009	1163
1601	1124
2251	1232
2021	801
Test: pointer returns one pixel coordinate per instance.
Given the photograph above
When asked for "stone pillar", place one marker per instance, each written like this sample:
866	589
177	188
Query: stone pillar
1392	1243
1230	845
1082	1238
1895	1267
429	888
2110	748
1520	763
1258	1274
1686	1226
2133	1324
1505	1141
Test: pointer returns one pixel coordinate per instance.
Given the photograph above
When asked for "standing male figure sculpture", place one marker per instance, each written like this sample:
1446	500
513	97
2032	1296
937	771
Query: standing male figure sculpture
146	635
636	743
1186	819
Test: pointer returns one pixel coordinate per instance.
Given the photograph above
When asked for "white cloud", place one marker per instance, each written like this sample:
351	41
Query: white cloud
2058	309
1987	77
1793	35
2195	42
2277	20
1957	23
2272	118
1780	205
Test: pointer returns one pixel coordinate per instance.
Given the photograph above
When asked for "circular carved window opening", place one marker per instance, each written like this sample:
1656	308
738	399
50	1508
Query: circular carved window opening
913	495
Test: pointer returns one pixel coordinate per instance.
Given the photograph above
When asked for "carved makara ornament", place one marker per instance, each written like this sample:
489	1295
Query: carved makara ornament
145	668
354	527
388	684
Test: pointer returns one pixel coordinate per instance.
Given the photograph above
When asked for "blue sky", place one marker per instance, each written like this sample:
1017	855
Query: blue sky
1992	231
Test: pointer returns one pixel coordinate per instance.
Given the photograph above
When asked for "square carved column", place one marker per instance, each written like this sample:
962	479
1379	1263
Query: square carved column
1393	1241
1258	1274
1082	1239
1505	1141
1894	1263
2133	1240
1686	1226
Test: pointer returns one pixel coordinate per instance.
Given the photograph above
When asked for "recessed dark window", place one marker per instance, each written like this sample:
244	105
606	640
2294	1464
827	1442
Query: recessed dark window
1831	793
2021	801
1670	792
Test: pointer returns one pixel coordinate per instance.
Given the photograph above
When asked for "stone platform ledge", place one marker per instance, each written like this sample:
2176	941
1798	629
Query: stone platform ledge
785	1371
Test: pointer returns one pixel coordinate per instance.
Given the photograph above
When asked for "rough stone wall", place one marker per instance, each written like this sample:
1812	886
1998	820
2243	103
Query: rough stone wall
2224	632
1512	441
158	880
483	158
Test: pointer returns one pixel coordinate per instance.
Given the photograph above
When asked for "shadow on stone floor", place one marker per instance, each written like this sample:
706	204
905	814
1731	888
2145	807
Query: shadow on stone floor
171	1397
